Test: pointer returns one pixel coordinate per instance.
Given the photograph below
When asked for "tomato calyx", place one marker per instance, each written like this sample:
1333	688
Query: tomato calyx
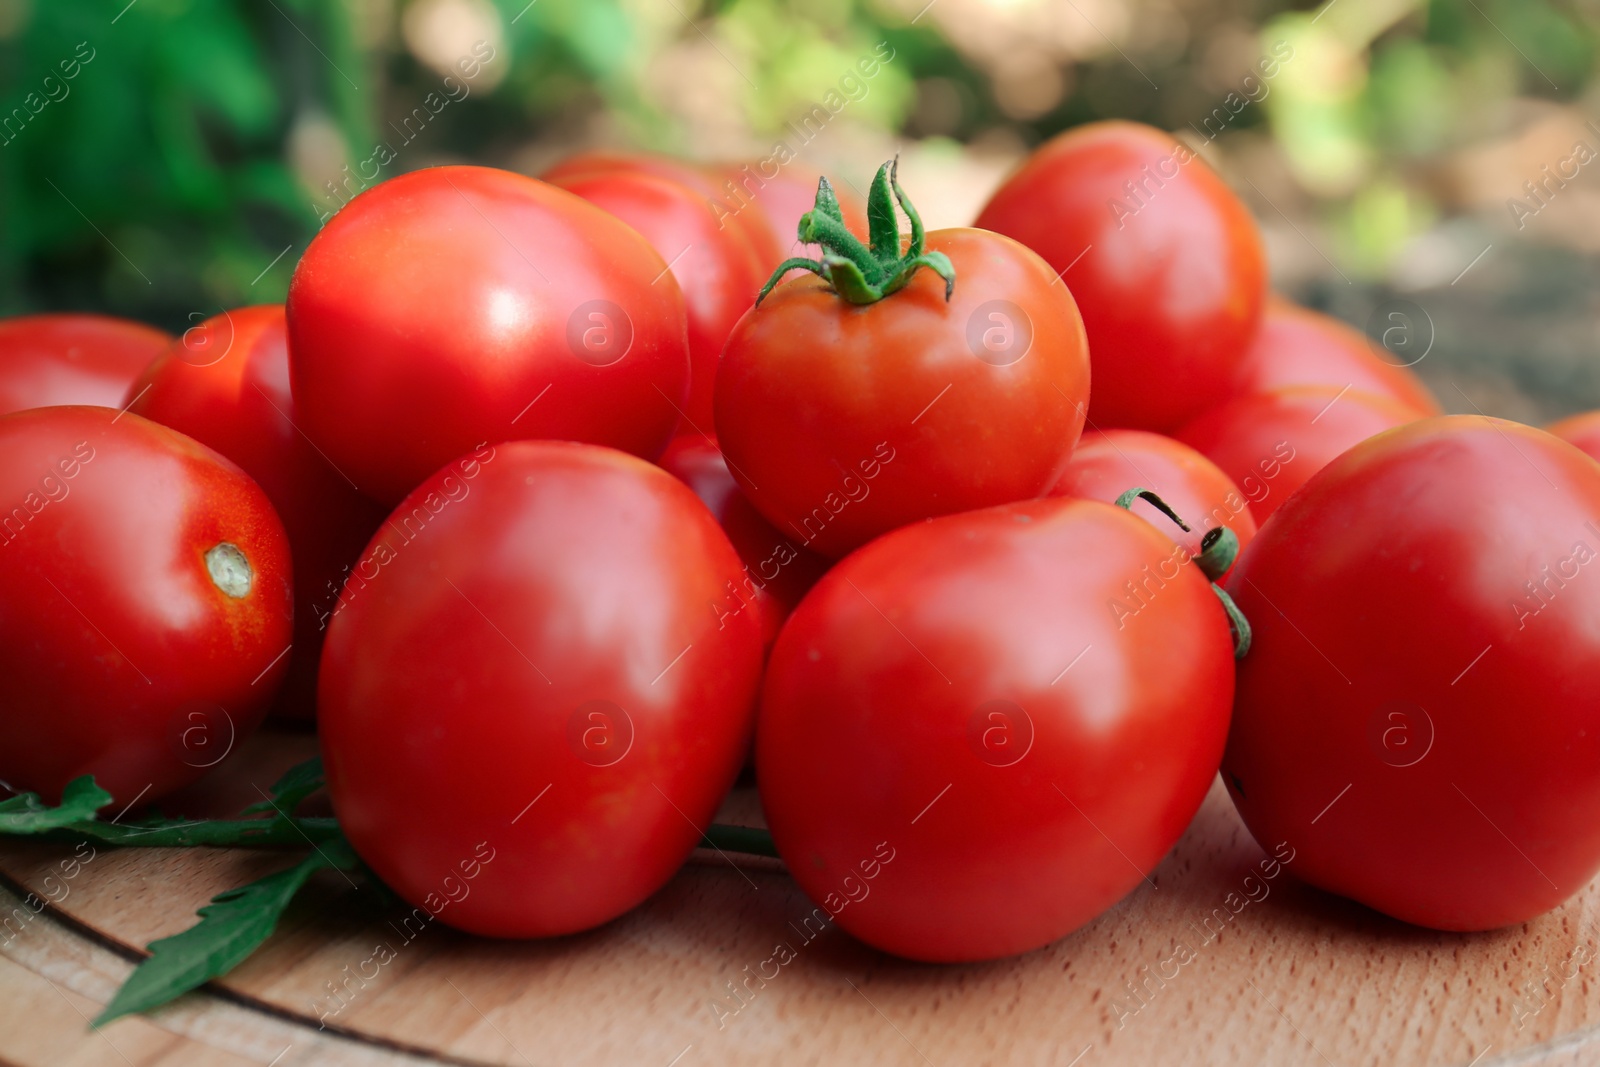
857	272
1218	548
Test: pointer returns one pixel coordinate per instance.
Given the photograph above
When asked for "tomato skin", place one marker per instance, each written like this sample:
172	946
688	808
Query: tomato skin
777	572
434	310
1297	346
540	577
876	732
51	360
226	384
841	422
1398	579
1171	286
1582	431
1107	463
717	270
709	182
116	642
1271	444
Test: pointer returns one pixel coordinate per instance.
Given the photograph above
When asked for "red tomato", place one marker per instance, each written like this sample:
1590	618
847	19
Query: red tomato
1107	463
46	360
843	421
709	182
1582	431
788	194
962	754
145	603
226	384
460	305
1297	346
717	270
1271	444
1417	714
534	644
777	573
1165	262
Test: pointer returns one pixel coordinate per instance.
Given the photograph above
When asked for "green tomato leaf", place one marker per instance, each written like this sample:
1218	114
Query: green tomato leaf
27	814
297	783
231	927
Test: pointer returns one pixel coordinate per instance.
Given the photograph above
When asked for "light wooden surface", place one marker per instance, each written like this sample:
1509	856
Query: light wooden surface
1294	977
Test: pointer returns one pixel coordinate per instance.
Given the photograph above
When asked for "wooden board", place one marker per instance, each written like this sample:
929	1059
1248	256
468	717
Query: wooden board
1293	976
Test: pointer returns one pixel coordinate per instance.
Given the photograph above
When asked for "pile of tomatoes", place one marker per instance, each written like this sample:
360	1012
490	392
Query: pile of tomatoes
557	501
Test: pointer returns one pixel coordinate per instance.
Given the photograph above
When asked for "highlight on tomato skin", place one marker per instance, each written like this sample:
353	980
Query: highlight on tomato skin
1272	443
73	358
546	639
1107	463
1297	346
1165	261
147	605
226	384
952	711
1417	712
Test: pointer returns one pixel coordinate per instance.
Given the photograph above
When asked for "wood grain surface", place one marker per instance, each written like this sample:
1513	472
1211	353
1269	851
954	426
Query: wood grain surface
1210	962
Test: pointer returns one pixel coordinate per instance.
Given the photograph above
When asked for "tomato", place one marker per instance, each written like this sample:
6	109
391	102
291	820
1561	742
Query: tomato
963	754
1581	430
532	697
1271	444
717	270
460	305
781	199
777	572
1165	262
1107	463
46	360
145	603
709	182
844	420
1417	714
226	384
1298	346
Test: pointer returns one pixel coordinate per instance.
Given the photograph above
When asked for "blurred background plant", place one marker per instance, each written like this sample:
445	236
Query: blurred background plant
165	158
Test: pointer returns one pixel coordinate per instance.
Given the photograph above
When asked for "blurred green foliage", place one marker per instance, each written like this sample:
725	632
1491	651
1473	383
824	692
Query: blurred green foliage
191	145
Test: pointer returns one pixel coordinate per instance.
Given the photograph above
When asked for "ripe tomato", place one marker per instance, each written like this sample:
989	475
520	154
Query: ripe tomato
226	384
717	270
781	199
777	572
1165	262
145	603
1582	431
709	182
842	420
535	644
1271	444
962	754
460	305
1107	463
1417	714
1298	346
46	360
